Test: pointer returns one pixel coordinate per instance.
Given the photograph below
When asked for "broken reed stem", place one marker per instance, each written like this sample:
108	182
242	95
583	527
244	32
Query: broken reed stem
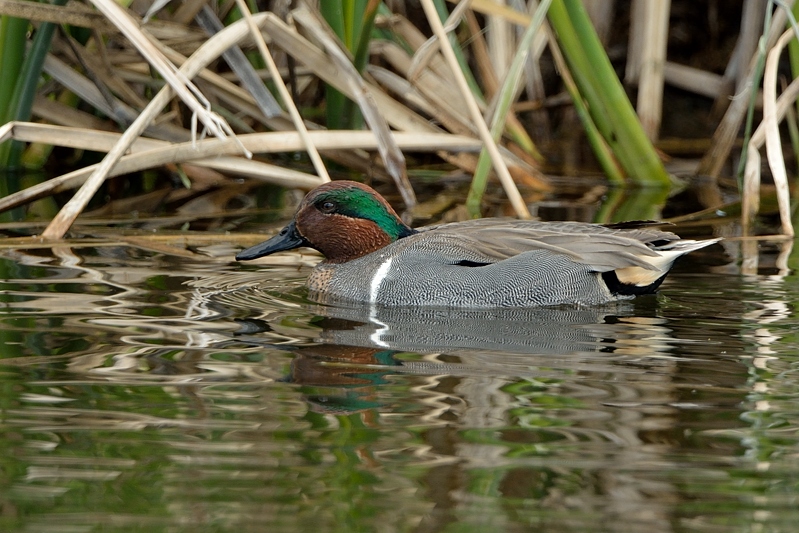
209	51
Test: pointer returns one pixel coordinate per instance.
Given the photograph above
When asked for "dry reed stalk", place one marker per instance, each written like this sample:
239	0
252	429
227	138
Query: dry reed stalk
774	110
241	66
501	42
187	10
150	153
206	53
305	52
429	71
179	82
40	12
693	79
447	108
482	57
397	114
82	16
752	17
485	135
727	132
147	154
240	100
636	39
54	112
389	150
489	7
653	58
601	14
399	85
96	64
427	49
316	159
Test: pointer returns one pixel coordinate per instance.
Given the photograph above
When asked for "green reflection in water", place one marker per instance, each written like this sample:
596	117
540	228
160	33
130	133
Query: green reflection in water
123	411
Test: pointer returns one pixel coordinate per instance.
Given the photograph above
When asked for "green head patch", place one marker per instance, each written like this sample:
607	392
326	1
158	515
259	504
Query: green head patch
358	203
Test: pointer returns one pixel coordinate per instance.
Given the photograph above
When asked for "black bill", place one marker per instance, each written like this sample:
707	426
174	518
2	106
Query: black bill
288	239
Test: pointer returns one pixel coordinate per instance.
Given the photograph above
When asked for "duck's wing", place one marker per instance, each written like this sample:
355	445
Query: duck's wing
599	247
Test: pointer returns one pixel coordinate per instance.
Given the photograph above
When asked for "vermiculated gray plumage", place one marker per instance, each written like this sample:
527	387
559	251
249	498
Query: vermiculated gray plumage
489	263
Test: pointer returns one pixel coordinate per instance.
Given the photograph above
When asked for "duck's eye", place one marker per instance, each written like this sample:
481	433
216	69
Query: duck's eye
327	207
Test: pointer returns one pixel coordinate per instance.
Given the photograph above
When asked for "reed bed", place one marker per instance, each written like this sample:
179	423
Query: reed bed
211	89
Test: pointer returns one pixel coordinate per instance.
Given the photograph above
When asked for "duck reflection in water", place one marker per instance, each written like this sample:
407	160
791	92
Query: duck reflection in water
360	345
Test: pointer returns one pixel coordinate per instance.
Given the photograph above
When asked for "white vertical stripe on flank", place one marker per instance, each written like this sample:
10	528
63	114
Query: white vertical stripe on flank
378	278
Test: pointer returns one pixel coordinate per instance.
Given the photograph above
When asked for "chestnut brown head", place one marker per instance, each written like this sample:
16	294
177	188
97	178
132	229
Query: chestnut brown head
343	220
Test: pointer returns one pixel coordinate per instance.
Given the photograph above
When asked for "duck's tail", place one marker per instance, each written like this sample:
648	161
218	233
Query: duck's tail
634	280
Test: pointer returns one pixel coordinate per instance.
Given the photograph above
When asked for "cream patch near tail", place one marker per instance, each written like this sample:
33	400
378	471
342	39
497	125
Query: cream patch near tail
659	264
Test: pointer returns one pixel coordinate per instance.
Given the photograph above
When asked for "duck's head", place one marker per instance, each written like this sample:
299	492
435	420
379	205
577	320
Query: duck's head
342	219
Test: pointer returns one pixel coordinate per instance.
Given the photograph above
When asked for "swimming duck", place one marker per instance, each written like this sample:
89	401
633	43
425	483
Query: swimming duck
371	256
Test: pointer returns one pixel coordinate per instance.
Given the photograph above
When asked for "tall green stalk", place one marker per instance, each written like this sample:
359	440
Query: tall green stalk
13	35
21	102
608	105
352	21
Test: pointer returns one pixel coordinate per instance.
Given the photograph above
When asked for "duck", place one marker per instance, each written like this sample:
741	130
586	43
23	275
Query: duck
372	257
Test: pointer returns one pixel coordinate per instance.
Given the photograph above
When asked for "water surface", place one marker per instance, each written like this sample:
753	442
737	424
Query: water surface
149	389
